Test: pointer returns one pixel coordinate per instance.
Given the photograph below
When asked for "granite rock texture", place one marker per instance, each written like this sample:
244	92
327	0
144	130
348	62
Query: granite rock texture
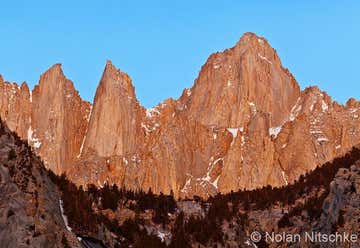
244	124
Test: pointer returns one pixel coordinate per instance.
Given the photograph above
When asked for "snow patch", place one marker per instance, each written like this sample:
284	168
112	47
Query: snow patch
234	132
34	142
188	92
312	105
83	141
242	141
217	160
125	161
150	112
324	106
81	147
295	110
135	159
89	115
316	132
274	131
162	235
186	186
64	217
284	177
337	147
149	129
322	139
215	183
252	106
264	58
207	178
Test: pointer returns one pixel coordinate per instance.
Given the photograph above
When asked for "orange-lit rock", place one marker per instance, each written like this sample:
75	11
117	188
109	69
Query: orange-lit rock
244	124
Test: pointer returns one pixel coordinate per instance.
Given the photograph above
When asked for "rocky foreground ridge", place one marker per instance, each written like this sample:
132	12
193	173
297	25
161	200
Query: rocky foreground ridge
244	124
30	203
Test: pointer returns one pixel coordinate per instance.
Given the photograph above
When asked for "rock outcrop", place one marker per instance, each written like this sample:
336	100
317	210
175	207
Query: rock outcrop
58	120
115	117
342	203
52	117
30	213
244	124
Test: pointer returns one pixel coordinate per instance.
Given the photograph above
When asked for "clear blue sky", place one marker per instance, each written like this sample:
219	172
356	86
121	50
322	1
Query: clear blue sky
162	44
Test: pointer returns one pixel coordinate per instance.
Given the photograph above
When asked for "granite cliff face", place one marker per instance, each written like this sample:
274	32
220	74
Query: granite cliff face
52	117
244	124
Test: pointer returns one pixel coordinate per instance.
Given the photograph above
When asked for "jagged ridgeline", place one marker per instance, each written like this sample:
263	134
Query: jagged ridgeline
244	124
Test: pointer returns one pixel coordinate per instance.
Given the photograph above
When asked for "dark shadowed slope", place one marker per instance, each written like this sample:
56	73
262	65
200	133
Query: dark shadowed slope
29	202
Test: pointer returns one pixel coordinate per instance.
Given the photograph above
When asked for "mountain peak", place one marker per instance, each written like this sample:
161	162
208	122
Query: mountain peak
56	68
111	71
351	102
251	46
114	77
253	40
54	74
245	116
248	73
250	36
109	66
115	107
24	86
